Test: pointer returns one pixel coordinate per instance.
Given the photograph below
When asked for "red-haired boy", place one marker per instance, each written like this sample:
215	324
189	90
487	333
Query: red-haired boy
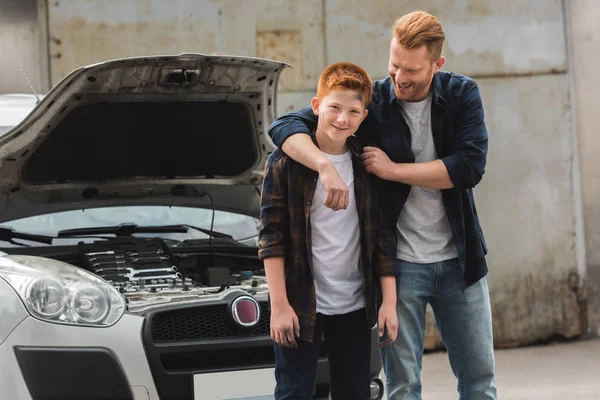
328	270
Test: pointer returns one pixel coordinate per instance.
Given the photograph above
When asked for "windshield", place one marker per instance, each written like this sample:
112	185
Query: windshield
241	227
4	129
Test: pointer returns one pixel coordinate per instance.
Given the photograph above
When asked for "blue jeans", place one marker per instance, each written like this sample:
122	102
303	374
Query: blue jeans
464	319
348	337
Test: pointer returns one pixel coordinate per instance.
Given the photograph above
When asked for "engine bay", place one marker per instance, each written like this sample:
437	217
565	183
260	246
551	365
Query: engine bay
131	264
150	273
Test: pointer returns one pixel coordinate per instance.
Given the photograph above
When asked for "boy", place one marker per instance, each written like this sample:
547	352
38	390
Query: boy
324	267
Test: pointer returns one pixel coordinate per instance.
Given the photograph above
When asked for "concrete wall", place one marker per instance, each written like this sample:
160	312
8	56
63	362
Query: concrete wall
23	59
528	200
585	17
97	30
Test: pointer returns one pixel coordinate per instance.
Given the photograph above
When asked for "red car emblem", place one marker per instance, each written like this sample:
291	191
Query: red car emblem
245	311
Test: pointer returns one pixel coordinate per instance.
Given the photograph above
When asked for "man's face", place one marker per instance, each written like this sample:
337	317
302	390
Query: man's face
340	114
412	71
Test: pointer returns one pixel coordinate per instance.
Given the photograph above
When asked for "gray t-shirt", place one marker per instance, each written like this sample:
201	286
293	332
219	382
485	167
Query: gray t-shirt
424	234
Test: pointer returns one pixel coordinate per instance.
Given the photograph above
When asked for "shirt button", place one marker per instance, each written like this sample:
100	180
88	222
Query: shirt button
308	203
314	179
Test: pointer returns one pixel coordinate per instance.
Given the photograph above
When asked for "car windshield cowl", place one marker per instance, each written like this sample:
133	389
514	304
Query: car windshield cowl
129	229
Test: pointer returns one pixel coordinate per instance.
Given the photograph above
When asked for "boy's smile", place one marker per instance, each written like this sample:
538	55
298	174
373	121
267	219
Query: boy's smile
338	128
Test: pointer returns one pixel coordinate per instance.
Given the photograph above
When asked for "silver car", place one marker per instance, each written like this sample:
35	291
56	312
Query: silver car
129	198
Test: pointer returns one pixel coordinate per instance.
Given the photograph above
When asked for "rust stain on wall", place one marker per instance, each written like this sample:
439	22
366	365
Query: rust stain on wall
535	309
526	310
284	45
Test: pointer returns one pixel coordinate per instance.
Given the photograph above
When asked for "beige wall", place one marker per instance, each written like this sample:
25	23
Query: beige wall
585	17
23	56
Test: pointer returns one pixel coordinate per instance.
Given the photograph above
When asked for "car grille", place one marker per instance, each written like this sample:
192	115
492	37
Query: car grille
182	341
212	360
203	323
219	359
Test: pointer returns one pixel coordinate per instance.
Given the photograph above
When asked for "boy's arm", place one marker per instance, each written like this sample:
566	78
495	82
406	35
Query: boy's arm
387	318
385	262
283	131
274	228
285	326
385	248
274	216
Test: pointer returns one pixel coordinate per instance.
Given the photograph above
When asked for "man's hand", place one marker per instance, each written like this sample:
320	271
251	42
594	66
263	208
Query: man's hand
285	327
377	162
336	191
388	318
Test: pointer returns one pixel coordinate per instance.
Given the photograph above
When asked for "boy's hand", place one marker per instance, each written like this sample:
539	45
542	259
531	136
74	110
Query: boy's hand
387	320
285	327
336	191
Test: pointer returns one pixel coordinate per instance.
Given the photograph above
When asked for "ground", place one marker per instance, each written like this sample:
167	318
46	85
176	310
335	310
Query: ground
565	371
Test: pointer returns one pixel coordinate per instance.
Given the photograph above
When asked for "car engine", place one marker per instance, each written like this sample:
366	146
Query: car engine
150	275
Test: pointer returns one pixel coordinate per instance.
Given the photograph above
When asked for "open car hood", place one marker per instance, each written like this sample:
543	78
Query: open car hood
161	130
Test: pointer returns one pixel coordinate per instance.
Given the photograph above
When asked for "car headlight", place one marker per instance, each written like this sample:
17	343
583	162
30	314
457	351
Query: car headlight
55	291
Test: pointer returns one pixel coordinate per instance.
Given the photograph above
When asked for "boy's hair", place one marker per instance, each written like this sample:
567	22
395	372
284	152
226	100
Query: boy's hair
420	28
345	75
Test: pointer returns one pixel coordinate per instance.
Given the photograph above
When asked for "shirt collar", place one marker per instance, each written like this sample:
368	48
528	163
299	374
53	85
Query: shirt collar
352	141
391	93
438	95
436	87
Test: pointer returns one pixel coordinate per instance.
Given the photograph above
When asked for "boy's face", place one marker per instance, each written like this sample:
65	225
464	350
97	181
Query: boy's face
340	114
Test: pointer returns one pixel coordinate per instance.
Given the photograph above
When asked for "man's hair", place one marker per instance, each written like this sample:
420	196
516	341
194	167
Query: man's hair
420	28
345	75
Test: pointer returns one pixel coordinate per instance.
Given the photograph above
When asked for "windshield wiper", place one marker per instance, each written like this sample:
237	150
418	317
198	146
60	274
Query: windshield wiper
8	234
128	229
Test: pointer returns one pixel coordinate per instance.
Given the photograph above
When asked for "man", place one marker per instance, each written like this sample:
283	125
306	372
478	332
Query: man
426	138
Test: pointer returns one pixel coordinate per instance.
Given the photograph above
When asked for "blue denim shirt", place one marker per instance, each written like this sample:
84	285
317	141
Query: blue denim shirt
460	137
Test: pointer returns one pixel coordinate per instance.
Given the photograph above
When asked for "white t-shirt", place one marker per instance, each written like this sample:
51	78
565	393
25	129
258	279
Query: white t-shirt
336	247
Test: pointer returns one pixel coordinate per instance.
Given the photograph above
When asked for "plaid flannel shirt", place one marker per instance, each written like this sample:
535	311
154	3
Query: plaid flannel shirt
285	231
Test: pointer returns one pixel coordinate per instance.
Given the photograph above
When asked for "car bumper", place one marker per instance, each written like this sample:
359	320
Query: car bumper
51	361
42	360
